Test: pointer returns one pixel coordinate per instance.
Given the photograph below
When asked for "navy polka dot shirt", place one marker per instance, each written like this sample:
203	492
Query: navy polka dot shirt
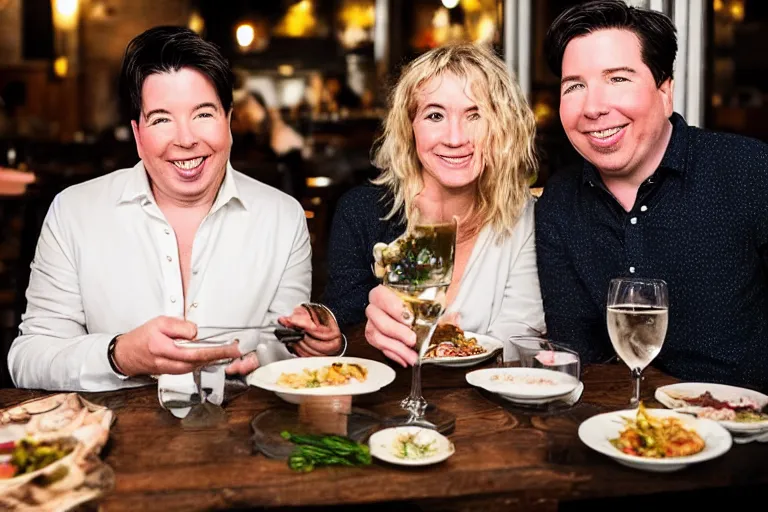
700	222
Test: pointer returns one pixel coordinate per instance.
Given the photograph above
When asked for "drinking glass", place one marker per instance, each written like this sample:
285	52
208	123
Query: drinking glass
418	268
637	323
202	413
540	352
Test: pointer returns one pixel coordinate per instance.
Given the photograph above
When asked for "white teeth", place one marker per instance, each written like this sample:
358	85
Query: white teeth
188	164
604	134
455	159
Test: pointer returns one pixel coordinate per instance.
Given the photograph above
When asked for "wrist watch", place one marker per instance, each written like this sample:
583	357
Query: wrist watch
111	357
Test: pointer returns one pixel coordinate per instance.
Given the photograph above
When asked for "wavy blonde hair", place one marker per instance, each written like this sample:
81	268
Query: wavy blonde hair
508	149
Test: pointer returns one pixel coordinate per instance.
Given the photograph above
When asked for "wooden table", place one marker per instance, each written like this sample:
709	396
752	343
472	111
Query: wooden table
505	459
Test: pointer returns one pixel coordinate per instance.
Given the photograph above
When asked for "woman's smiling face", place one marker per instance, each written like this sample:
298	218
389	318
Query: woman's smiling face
449	131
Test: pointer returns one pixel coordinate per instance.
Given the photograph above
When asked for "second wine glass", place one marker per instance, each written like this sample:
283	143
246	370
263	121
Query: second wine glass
637	323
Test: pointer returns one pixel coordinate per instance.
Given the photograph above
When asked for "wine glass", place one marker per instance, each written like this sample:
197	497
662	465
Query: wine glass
203	413
540	352
637	323
418	267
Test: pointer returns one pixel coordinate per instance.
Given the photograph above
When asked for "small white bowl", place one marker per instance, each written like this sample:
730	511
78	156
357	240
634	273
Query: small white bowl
382	445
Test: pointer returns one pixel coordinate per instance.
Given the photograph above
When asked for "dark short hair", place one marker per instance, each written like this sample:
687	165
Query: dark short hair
167	49
656	32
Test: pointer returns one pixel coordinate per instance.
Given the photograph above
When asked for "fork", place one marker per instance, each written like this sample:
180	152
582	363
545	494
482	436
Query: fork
285	335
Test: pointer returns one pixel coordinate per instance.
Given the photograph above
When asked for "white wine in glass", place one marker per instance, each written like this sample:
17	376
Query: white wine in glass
418	268
637	317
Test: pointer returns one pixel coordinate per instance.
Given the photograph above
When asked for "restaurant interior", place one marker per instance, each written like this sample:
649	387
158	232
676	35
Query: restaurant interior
311	84
320	69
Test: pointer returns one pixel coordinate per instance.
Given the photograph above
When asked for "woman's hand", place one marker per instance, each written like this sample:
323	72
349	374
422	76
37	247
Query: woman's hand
389	326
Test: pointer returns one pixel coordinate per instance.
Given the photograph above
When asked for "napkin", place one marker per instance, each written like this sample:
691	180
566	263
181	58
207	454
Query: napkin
174	391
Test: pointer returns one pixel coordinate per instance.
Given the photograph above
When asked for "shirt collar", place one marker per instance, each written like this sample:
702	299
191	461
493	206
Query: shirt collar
675	157
137	188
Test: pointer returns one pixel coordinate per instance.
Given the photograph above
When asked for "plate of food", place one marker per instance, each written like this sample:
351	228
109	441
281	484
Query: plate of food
450	346
526	385
410	446
654	439
740	410
50	438
322	376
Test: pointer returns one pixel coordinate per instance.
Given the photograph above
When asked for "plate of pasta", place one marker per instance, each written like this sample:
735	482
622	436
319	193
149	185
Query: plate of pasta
452	347
655	439
322	376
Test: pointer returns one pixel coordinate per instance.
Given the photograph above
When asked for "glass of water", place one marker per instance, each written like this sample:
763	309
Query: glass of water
638	313
540	352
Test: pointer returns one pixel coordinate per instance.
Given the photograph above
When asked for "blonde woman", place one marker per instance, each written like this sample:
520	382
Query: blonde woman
459	137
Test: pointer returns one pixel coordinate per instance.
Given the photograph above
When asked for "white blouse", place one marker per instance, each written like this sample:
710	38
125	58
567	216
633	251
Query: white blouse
499	292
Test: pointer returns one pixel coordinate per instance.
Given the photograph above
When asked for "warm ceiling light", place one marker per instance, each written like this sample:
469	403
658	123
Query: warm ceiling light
66	7
245	35
319	182
65	13
196	23
61	67
450	4
737	11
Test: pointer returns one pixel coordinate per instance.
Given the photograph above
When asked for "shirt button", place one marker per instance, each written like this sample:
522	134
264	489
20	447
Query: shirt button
643	208
173	298
167	231
633	220
194	305
631	270
169	258
194	272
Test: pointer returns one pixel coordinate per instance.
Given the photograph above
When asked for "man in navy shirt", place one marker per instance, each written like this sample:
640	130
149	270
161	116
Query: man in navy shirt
654	198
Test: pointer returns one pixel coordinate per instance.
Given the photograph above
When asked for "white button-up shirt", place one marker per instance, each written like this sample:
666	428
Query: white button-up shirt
107	262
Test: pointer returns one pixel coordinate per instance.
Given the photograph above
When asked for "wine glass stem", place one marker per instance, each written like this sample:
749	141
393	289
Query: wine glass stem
637	374
196	375
415	403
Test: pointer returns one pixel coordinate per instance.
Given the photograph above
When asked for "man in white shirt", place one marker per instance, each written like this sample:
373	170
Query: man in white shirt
129	263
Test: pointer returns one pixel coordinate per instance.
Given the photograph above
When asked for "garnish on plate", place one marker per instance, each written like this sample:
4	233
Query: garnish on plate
741	410
29	455
335	374
657	437
448	340
409	446
523	379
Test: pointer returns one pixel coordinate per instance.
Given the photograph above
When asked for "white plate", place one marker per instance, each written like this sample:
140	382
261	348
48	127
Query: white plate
382	445
490	344
561	384
265	377
571	398
719	392
596	432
